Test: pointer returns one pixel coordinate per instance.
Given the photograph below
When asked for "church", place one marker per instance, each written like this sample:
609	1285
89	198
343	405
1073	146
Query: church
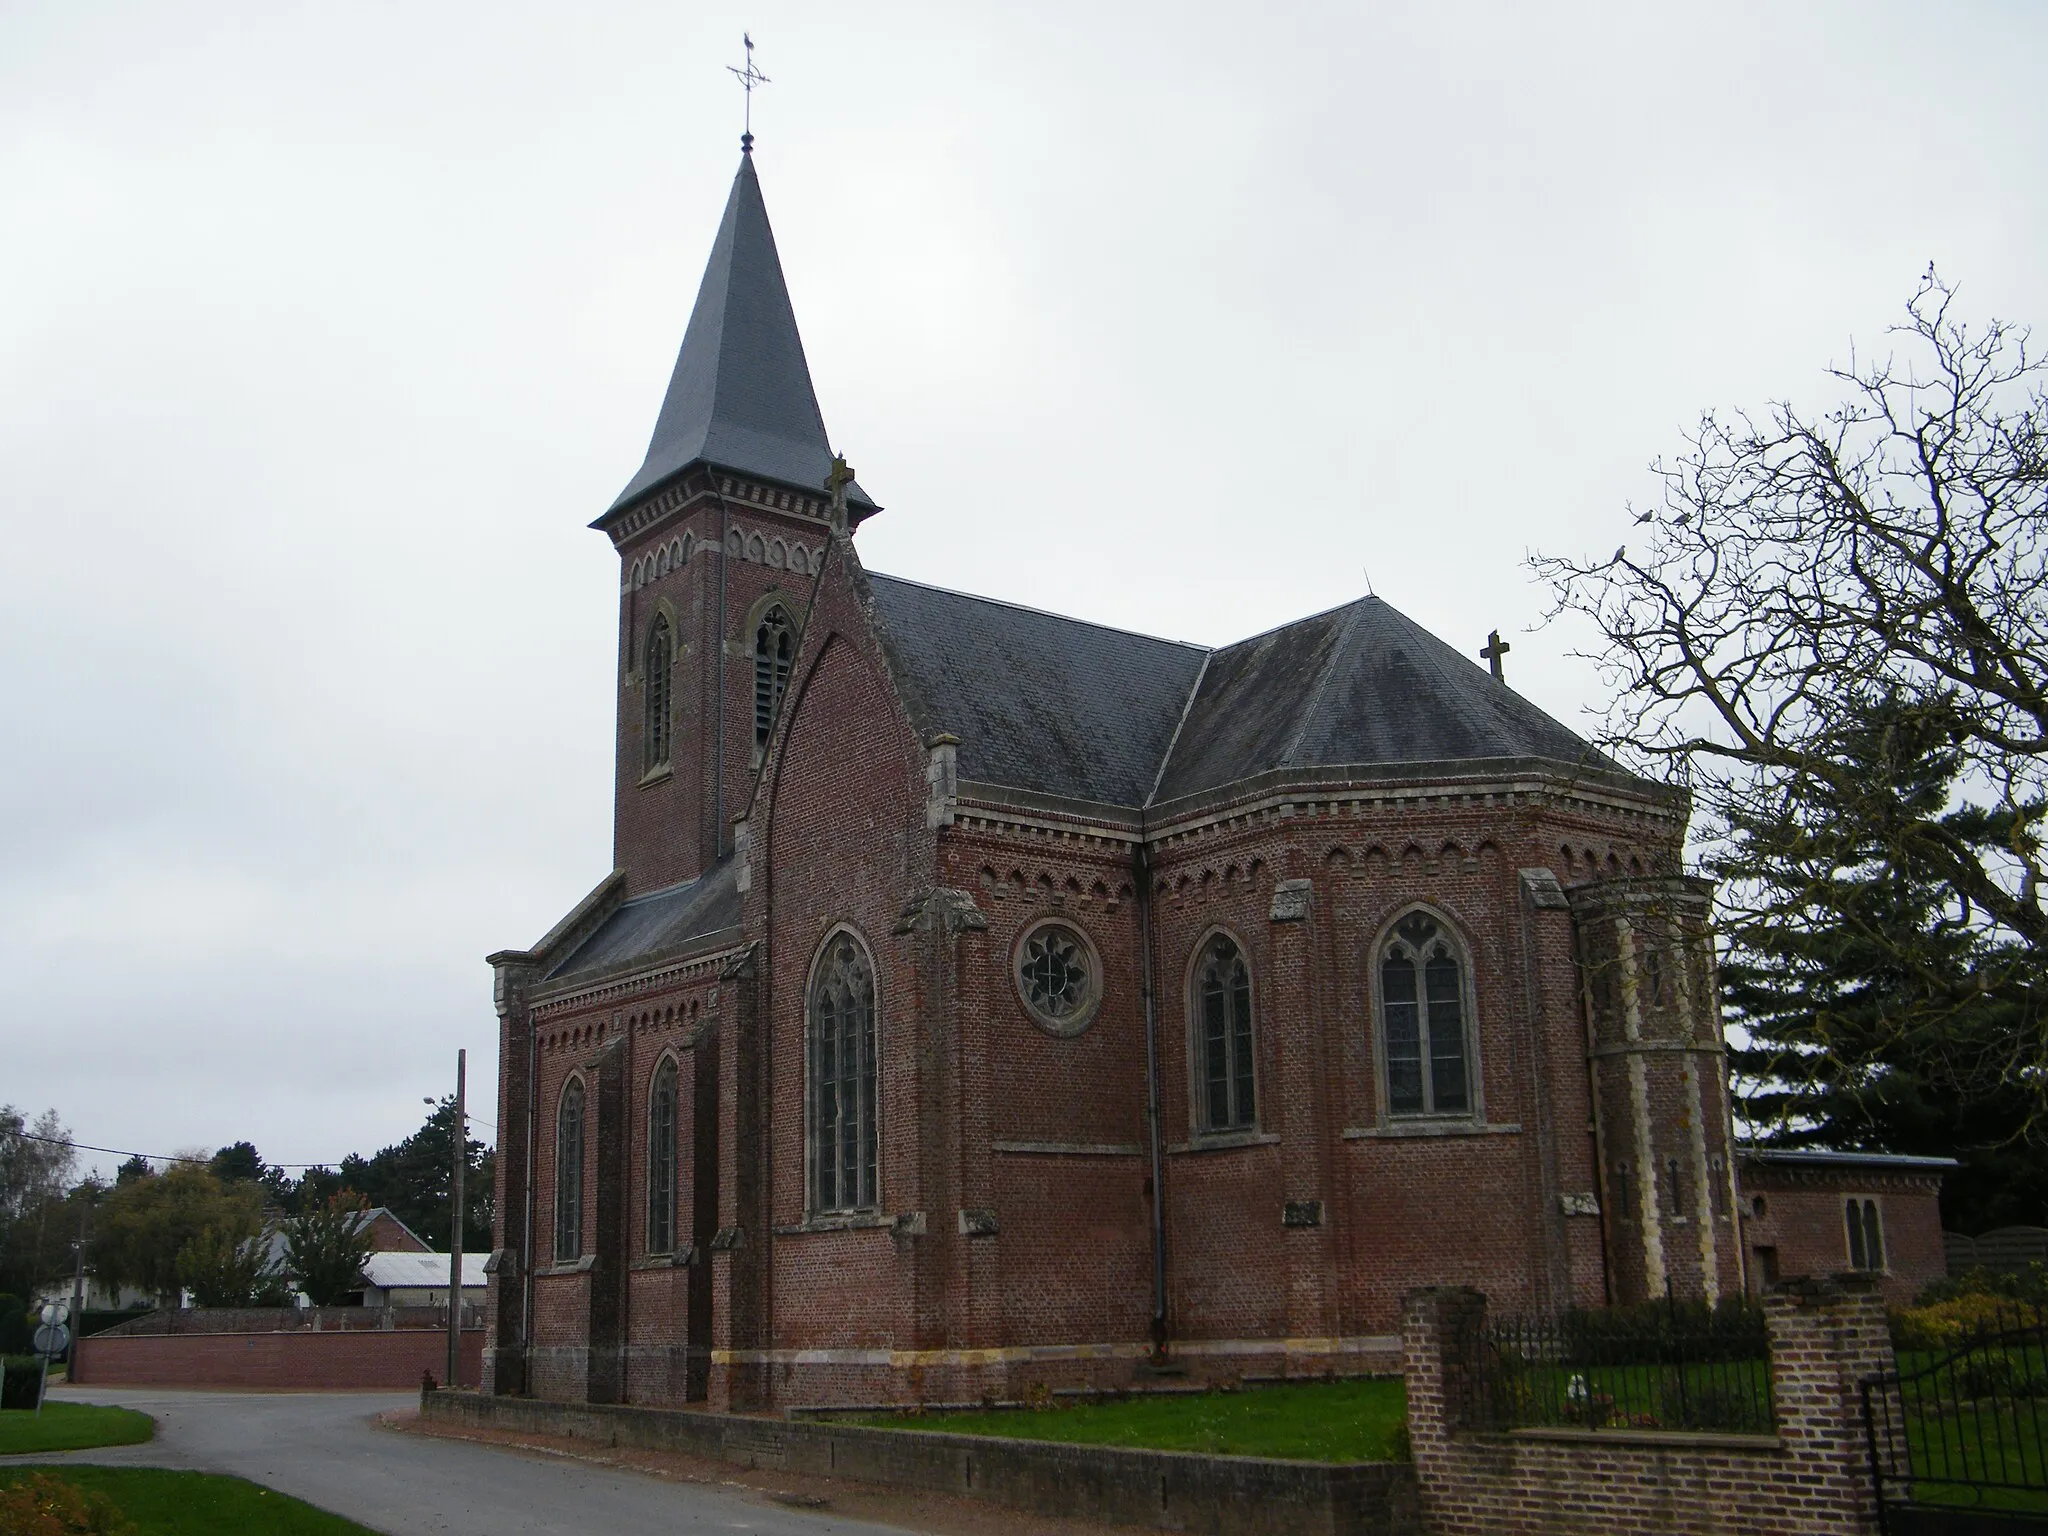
984	1001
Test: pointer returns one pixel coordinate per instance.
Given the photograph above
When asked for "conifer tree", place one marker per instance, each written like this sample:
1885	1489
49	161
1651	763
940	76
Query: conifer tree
1870	1012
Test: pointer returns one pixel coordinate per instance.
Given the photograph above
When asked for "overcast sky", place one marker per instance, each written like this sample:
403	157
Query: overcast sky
324	331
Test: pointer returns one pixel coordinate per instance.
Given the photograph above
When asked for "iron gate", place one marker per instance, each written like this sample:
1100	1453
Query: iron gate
1959	1440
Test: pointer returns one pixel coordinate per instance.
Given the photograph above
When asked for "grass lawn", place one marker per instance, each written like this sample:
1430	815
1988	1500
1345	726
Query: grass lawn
196	1503
71	1427
1299	1421
1728	1396
1976	1425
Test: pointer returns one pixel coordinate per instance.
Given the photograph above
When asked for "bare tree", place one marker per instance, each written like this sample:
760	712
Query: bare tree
1805	575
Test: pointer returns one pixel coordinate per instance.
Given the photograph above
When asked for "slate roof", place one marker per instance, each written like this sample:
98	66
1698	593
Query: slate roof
1813	1157
1039	702
1360	685
741	397
658	922
1061	707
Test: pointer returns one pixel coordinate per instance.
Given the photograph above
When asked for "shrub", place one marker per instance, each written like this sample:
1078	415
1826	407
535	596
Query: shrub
21	1378
43	1505
16	1334
2028	1285
1952	1323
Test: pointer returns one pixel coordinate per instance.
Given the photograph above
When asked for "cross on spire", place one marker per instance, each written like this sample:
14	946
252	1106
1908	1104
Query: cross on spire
748	79
1491	655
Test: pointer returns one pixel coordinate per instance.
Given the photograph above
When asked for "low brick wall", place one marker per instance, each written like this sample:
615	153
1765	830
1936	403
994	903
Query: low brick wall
295	1359
1172	1490
282	1320
1812	1478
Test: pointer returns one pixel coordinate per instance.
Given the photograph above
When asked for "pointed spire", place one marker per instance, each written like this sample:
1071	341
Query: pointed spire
741	397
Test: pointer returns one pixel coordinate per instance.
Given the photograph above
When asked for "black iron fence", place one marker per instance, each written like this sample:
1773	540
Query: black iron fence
1670	1365
1965	1428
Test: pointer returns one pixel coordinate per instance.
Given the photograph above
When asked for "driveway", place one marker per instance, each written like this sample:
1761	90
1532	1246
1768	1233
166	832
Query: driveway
324	1448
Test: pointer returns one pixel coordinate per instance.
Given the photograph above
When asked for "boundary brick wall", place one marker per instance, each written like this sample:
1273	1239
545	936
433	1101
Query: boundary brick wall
287	1320
299	1360
1168	1490
1812	1478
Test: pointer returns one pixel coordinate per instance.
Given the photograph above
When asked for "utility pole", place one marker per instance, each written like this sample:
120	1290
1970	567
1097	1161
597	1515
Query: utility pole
454	1377
78	1289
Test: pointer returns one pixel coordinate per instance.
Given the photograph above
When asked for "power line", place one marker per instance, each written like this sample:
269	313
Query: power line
172	1157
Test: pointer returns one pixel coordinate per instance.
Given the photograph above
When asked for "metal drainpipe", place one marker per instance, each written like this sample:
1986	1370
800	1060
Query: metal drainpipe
1141	865
526	1300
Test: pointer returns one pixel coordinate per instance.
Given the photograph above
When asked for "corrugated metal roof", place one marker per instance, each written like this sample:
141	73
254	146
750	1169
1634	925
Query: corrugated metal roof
659	921
741	397
389	1271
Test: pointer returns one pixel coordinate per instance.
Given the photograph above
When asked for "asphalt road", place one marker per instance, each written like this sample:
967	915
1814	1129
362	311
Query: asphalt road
322	1447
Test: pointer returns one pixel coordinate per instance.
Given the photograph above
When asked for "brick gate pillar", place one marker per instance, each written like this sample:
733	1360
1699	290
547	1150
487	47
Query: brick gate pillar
1828	1336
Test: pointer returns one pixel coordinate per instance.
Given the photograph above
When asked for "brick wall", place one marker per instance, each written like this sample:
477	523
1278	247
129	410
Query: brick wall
1793	1223
286	1319
1811	1479
301	1360
1168	1490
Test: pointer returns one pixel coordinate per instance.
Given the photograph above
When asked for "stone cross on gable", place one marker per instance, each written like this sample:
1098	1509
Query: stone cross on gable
1495	649
836	482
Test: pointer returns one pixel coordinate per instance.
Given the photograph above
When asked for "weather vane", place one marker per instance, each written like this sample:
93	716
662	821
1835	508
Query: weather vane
748	79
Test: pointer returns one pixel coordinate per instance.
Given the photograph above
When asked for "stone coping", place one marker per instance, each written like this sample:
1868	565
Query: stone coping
1652	1439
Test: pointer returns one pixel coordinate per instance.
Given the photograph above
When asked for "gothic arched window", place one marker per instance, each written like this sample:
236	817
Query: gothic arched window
774	650
569	1174
660	652
661	1160
1223	1037
1424	1020
840	1078
1866	1235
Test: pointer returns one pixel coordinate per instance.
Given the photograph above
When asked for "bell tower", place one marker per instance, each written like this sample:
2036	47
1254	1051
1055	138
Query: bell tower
720	534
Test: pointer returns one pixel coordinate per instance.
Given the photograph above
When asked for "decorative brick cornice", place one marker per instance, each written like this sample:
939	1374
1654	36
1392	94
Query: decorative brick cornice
617	986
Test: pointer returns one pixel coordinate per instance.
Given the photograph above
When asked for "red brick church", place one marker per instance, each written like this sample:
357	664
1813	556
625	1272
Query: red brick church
983	998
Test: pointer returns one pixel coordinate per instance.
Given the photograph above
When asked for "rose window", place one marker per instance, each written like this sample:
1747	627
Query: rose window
1056	974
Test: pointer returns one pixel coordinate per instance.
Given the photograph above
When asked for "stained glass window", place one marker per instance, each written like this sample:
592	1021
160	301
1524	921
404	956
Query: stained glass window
1223	1002
569	1174
661	1161
1056	973
841	1073
1423	1025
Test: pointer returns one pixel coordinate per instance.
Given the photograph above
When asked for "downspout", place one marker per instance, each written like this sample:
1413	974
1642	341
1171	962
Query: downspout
1141	865
526	1298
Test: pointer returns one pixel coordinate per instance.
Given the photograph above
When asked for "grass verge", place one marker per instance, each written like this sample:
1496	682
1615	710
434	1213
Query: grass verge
195	1503
71	1427
1359	1420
